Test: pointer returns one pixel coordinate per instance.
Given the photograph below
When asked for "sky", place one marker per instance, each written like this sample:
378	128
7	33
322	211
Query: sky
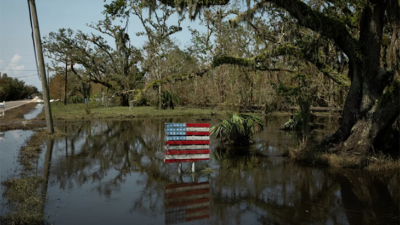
17	57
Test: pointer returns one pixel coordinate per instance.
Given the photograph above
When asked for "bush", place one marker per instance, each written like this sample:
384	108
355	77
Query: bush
238	128
88	107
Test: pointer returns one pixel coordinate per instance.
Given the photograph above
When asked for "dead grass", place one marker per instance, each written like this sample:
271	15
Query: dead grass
24	201
377	162
30	152
21	125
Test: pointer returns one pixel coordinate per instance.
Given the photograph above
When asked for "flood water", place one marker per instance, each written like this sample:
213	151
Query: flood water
34	112
112	172
10	143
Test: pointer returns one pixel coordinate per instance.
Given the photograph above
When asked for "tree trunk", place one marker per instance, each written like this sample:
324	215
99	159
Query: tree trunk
159	94
66	82
124	100
368	111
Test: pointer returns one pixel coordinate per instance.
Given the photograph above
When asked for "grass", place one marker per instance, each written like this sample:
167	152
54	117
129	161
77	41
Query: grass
378	162
24	201
30	152
22	195
79	112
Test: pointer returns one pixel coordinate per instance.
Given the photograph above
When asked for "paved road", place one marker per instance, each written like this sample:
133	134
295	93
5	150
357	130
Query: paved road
13	104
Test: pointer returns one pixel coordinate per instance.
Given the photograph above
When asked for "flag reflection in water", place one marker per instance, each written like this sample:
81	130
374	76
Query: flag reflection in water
186	202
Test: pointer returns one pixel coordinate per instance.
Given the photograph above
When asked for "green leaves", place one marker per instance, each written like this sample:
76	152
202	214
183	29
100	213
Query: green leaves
169	99
238	128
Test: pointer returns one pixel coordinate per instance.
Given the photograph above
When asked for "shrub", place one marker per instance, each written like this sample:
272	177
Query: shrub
238	128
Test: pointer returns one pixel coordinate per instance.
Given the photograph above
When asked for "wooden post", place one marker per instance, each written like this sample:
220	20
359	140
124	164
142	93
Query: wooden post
39	52
179	168
3	105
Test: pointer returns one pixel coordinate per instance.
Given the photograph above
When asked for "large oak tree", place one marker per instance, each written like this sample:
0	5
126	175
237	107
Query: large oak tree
367	32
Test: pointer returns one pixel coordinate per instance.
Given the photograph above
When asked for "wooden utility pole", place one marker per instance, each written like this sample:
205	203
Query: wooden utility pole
39	53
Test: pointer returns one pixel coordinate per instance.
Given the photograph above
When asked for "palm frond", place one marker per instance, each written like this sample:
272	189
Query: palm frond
238	128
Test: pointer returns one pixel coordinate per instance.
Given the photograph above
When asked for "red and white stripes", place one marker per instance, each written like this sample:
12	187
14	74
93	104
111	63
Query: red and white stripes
186	142
186	202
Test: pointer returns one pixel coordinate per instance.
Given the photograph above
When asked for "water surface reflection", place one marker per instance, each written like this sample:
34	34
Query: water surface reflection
113	172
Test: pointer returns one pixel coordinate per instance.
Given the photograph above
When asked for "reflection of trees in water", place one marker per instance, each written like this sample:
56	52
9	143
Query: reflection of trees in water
378	198
269	189
292	194
98	148
234	159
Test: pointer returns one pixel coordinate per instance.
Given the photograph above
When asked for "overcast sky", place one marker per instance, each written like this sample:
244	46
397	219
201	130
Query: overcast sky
16	48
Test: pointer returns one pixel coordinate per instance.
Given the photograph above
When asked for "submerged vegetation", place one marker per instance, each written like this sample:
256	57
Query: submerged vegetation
25	195
238	128
24	201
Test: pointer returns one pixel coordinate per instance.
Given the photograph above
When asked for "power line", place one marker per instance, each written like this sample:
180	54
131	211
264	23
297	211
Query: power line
16	54
26	76
8	62
17	70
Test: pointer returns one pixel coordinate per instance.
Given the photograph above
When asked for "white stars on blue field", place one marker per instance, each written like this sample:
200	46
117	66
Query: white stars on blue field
175	125
175	129
175	133
172	138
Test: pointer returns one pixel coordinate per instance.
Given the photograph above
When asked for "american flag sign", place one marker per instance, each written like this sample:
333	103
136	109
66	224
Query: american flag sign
186	142
186	202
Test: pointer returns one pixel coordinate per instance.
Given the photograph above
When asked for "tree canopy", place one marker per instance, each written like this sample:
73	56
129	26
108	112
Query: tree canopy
14	89
354	43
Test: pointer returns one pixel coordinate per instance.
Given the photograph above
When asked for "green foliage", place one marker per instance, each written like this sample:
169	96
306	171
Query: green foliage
14	89
298	122
89	107
302	95
238	128
142	102
93	59
169	100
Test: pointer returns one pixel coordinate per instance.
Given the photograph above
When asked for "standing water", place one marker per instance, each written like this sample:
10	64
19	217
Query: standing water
34	112
10	144
112	172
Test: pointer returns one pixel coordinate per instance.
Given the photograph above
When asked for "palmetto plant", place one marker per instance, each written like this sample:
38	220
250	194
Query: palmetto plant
238	128
169	99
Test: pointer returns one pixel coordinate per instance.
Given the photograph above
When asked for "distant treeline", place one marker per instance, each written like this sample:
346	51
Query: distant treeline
14	89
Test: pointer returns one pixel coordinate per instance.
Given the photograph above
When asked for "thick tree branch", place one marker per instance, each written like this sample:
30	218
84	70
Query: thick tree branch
257	61
329	27
169	79
253	61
